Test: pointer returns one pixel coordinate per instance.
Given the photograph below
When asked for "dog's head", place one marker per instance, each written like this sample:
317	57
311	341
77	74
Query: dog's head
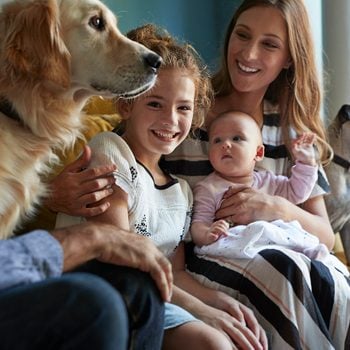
339	133
101	57
71	44
338	172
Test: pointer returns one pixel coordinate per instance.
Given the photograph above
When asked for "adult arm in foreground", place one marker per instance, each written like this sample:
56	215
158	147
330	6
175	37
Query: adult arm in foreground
38	255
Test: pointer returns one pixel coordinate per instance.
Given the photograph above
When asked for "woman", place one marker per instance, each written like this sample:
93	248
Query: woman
268	71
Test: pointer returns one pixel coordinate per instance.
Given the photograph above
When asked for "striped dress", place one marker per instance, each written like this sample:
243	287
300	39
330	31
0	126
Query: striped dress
301	303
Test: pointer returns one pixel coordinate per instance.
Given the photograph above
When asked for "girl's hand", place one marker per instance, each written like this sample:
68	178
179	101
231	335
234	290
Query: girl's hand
239	323
77	190
240	312
243	205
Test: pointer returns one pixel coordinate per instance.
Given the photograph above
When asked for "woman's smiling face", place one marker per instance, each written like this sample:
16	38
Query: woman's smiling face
258	49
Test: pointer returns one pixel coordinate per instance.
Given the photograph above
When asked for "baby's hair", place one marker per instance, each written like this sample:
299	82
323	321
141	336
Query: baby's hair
227	114
176	54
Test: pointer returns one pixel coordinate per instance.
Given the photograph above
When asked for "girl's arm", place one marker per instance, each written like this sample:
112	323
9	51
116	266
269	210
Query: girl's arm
215	308
117	213
245	205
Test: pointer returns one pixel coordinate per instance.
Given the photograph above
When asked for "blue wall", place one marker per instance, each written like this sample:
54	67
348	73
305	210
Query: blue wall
201	22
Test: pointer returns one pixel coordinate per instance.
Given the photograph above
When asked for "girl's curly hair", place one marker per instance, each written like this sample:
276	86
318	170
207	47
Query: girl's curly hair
176	54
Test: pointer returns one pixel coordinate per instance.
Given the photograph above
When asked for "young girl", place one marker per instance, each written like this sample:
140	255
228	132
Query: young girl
152	202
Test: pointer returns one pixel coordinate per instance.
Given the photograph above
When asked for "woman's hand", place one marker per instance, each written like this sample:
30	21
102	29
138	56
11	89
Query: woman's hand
243	205
77	190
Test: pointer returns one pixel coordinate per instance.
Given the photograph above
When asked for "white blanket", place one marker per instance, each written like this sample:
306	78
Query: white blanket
246	241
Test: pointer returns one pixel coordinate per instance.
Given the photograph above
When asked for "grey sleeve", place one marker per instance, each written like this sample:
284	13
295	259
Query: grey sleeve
29	258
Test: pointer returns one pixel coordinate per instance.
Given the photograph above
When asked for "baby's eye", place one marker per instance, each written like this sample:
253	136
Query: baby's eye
217	140
237	138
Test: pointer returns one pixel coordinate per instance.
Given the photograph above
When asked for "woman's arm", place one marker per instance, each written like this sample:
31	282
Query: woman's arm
77	190
215	308
245	205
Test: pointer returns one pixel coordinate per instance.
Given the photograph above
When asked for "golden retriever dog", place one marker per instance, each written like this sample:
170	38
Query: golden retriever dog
338	173
54	55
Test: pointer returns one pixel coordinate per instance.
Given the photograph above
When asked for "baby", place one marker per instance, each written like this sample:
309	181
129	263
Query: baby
235	145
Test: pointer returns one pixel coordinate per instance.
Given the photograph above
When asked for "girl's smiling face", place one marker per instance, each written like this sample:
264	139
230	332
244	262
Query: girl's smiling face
158	121
258	49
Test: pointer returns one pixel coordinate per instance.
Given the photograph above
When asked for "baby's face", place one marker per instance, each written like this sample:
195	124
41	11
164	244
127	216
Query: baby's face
234	142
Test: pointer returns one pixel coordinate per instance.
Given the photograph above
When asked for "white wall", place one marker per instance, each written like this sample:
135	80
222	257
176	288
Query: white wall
336	22
314	8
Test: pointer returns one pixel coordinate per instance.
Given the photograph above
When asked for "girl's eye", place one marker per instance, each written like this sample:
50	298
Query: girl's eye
153	104
185	108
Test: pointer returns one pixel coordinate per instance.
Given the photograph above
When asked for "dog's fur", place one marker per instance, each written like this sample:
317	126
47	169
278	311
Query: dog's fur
54	55
338	172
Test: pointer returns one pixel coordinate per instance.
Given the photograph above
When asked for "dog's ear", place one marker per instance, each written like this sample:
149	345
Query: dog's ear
344	114
33	46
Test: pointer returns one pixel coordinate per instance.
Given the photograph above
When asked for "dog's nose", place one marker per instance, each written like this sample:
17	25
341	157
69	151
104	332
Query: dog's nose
153	60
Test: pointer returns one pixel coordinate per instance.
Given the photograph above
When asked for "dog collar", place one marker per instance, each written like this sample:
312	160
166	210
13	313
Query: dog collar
342	162
7	109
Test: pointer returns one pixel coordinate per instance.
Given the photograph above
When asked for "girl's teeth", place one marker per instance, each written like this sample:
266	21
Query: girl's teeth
161	134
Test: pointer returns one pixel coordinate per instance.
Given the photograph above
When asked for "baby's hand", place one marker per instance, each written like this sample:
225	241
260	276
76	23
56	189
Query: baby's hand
217	229
303	148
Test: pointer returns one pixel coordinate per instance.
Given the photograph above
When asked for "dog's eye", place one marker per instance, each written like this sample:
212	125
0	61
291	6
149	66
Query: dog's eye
97	22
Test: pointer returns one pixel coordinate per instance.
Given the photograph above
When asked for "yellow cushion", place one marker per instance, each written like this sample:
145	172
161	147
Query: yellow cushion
99	105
